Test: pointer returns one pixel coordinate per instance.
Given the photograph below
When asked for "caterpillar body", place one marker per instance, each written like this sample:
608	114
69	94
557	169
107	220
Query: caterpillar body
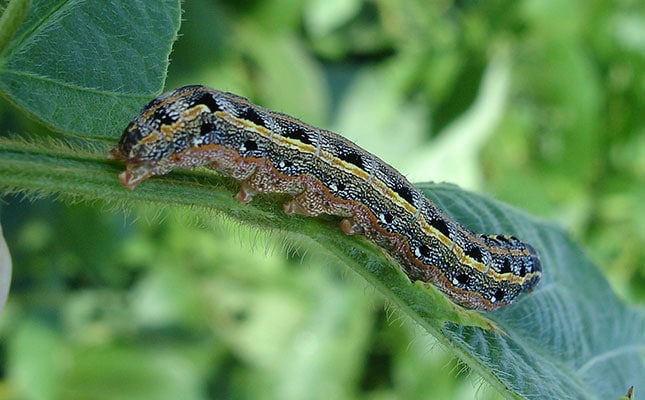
271	152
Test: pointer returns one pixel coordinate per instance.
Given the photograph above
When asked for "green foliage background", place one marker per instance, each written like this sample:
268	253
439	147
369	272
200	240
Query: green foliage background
539	103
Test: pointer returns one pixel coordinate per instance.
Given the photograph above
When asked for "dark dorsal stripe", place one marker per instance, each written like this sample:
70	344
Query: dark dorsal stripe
500	238
352	157
250	114
297	133
475	253
405	193
441	226
208	100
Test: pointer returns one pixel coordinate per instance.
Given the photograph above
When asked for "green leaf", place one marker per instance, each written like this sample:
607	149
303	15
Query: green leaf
11	19
72	67
571	338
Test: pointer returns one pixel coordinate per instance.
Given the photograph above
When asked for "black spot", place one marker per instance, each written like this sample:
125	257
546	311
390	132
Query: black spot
341	186
250	145
424	250
388	218
206	128
475	253
353	158
298	133
501	238
522	270
250	114
441	226
286	164
506	266
163	117
513	241
462	279
405	193
499	295
208	100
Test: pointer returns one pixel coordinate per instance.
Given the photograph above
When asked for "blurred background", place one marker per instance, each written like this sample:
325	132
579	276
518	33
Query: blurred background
537	103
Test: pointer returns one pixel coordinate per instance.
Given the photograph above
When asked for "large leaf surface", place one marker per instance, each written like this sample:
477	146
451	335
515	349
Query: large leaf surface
572	338
86	66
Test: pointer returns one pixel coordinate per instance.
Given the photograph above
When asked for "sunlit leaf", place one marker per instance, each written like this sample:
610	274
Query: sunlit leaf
86	66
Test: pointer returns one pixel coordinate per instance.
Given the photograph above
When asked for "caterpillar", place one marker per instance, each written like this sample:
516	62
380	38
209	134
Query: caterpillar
324	173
